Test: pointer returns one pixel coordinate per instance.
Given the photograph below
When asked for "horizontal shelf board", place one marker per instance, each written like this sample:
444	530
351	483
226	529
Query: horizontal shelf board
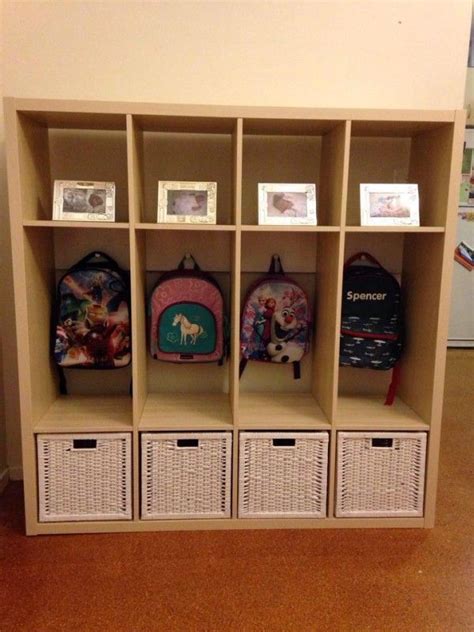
186	411
110	113
404	127
117	526
289	126
84	413
186	124
290	229
50	223
97	120
358	412
395	229
213	227
278	411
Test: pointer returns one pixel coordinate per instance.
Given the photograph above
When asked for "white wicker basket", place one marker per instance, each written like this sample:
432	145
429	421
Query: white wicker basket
186	475
380	474
84	477
283	474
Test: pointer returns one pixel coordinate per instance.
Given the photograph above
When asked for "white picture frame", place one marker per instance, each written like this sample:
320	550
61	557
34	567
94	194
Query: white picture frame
183	202
389	205
287	204
82	201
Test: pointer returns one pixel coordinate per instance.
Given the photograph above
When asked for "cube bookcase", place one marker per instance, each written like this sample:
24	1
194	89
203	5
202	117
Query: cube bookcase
137	144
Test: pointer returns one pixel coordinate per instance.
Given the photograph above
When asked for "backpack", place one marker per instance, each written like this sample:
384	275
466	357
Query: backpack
276	320
187	316
371	319
91	319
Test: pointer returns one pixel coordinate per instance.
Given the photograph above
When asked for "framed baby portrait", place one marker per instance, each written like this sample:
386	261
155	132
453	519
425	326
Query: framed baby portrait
287	204
389	205
84	201
186	202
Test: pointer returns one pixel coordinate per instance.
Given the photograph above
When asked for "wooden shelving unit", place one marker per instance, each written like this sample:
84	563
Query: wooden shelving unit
135	145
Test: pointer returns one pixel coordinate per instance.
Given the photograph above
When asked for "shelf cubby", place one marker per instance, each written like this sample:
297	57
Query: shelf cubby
312	260
87	413
173	395
49	252
289	151
68	147
415	260
415	153
199	149
173	411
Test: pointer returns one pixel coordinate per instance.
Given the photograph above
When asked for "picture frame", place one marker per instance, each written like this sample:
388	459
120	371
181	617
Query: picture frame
287	204
389	205
81	201
184	202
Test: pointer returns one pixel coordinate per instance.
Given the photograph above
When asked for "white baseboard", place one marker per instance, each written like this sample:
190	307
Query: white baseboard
4	478
16	473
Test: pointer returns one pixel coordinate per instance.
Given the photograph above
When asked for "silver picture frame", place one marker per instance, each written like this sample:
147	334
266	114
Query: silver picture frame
389	205
287	204
82	201
184	202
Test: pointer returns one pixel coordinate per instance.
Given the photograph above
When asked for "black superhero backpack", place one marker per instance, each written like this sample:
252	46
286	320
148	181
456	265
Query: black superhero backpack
91	318
371	319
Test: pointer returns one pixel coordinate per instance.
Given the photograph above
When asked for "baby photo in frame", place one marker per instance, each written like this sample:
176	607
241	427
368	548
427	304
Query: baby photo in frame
186	202
287	204
84	201
389	205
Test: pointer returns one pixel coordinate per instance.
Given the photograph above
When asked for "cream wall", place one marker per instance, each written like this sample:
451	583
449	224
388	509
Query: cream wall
328	54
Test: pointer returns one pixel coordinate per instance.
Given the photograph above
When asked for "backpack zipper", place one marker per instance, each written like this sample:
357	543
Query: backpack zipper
365	334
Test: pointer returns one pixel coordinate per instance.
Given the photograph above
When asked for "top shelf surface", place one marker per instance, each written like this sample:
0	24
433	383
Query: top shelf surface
222	119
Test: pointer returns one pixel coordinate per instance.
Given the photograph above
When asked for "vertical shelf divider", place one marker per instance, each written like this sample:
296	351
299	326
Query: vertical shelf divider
235	306
137	295
336	151
453	168
19	168
334	175
236	265
329	266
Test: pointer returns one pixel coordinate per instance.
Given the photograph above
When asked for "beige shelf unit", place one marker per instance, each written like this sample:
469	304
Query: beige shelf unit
137	144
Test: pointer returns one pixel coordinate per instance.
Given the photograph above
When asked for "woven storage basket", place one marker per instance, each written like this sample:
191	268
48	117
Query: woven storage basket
283	474
84	477
186	475
380	474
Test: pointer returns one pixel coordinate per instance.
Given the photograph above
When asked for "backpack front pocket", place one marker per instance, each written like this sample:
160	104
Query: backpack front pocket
365	350
188	329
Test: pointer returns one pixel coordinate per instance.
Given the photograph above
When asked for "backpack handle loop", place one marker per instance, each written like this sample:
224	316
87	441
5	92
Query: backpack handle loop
361	256
188	262
95	255
276	265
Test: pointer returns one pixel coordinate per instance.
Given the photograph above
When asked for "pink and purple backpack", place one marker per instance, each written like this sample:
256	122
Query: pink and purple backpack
187	316
276	320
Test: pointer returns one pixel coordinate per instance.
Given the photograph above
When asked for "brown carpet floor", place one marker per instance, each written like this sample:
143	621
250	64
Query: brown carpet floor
338	580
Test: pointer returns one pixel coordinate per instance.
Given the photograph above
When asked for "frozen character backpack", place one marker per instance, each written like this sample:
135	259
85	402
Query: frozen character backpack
187	316
372	320
91	319
276	320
